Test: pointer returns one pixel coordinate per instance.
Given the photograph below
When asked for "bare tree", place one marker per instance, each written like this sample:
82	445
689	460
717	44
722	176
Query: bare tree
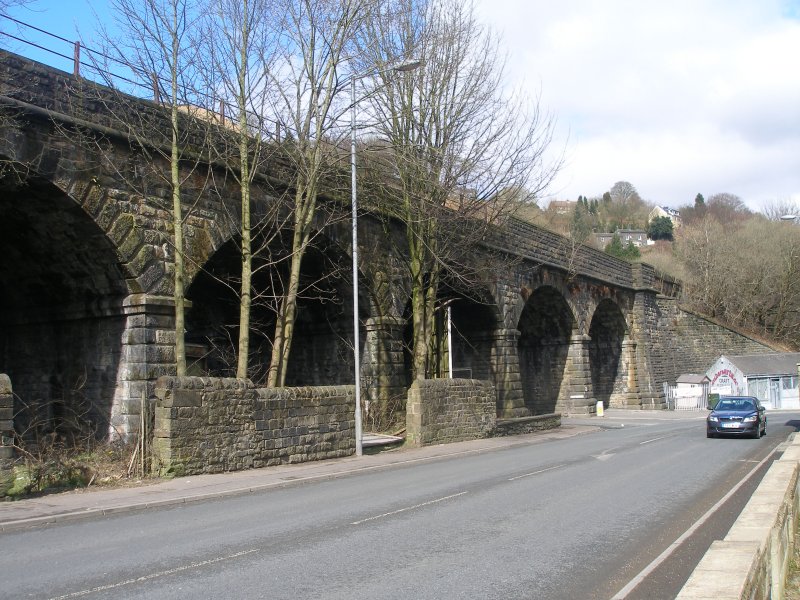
240	48
744	273
782	209
625	207
727	208
6	5
316	37
699	248
462	150
153	40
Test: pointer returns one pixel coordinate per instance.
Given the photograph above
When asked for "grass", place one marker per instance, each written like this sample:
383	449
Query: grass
57	468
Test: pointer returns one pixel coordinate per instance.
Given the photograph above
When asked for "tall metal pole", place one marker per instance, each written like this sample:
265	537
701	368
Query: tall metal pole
450	341
353	206
408	65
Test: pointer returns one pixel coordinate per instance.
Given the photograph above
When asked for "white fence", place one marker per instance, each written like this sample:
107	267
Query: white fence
685	399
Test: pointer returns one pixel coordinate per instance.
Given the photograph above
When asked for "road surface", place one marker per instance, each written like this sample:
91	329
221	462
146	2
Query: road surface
576	518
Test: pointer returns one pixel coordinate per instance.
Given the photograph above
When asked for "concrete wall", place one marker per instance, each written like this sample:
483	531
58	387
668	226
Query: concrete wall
441	411
753	559
208	425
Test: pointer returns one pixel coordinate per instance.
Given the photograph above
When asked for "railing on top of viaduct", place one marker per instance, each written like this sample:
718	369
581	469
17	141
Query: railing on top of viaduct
96	66
538	245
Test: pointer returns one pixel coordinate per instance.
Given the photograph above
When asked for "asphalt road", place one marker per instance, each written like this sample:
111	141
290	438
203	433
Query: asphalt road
577	518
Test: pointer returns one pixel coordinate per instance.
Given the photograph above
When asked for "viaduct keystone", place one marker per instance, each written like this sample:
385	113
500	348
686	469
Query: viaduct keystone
87	316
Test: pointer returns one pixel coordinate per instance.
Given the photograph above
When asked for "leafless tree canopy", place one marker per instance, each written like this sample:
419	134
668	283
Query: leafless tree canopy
462	150
744	271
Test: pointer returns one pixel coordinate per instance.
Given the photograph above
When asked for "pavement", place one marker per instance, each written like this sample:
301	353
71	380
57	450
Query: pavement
93	502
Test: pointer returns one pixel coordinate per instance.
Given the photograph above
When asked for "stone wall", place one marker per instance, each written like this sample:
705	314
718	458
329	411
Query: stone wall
6	418
523	425
683	342
207	425
552	249
442	411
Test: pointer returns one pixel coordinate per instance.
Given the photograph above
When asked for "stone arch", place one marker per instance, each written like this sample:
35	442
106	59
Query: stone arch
321	352
63	282
546	326
474	321
607	334
474	318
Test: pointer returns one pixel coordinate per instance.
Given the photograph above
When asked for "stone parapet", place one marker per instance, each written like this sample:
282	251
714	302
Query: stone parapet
442	411
753	560
212	425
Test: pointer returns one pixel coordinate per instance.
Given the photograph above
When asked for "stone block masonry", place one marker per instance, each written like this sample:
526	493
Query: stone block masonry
211	425
6	418
442	411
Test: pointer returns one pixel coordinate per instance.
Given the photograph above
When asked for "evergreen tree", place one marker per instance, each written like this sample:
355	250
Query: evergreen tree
660	228
631	252
627	252
580	228
614	247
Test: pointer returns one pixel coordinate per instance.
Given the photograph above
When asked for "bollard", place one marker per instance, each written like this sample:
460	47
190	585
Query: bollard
599	408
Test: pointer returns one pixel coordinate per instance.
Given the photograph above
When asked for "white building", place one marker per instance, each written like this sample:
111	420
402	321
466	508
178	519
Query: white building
772	378
665	211
638	237
691	391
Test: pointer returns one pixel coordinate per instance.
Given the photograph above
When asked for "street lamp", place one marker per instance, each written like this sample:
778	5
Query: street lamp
403	67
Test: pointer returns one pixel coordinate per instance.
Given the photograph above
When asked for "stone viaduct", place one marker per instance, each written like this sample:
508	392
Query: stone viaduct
86	310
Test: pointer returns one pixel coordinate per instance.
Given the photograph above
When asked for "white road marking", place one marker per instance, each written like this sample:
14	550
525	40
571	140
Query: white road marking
653	440
623	593
394	512
535	473
602	456
143	578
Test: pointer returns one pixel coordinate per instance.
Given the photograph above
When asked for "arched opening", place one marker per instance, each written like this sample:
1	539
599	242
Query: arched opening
545	327
472	326
607	331
321	350
470	322
61	322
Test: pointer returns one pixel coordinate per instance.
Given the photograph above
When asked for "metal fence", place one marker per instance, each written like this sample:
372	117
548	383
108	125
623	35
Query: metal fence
695	399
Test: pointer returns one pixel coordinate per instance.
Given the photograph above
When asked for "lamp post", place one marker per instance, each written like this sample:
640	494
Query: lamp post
405	66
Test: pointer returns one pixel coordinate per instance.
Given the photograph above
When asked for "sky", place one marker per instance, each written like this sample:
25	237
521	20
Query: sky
678	98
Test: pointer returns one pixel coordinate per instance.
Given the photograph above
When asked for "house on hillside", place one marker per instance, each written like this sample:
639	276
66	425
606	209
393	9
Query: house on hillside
637	236
772	378
562	207
665	211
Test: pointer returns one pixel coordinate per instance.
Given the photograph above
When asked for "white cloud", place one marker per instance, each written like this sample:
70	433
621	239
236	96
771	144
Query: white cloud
677	98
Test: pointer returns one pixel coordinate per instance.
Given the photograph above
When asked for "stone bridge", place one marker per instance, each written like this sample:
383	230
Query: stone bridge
86	309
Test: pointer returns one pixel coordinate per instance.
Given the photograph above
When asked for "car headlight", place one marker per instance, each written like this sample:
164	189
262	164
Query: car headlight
713	419
750	419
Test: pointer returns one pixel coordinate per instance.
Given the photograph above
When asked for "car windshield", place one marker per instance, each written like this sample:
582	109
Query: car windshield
735	404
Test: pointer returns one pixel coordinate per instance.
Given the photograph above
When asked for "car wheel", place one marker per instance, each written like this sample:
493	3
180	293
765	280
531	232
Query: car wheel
709	434
757	433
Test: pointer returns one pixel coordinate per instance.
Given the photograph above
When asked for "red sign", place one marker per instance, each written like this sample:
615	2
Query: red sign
724	374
